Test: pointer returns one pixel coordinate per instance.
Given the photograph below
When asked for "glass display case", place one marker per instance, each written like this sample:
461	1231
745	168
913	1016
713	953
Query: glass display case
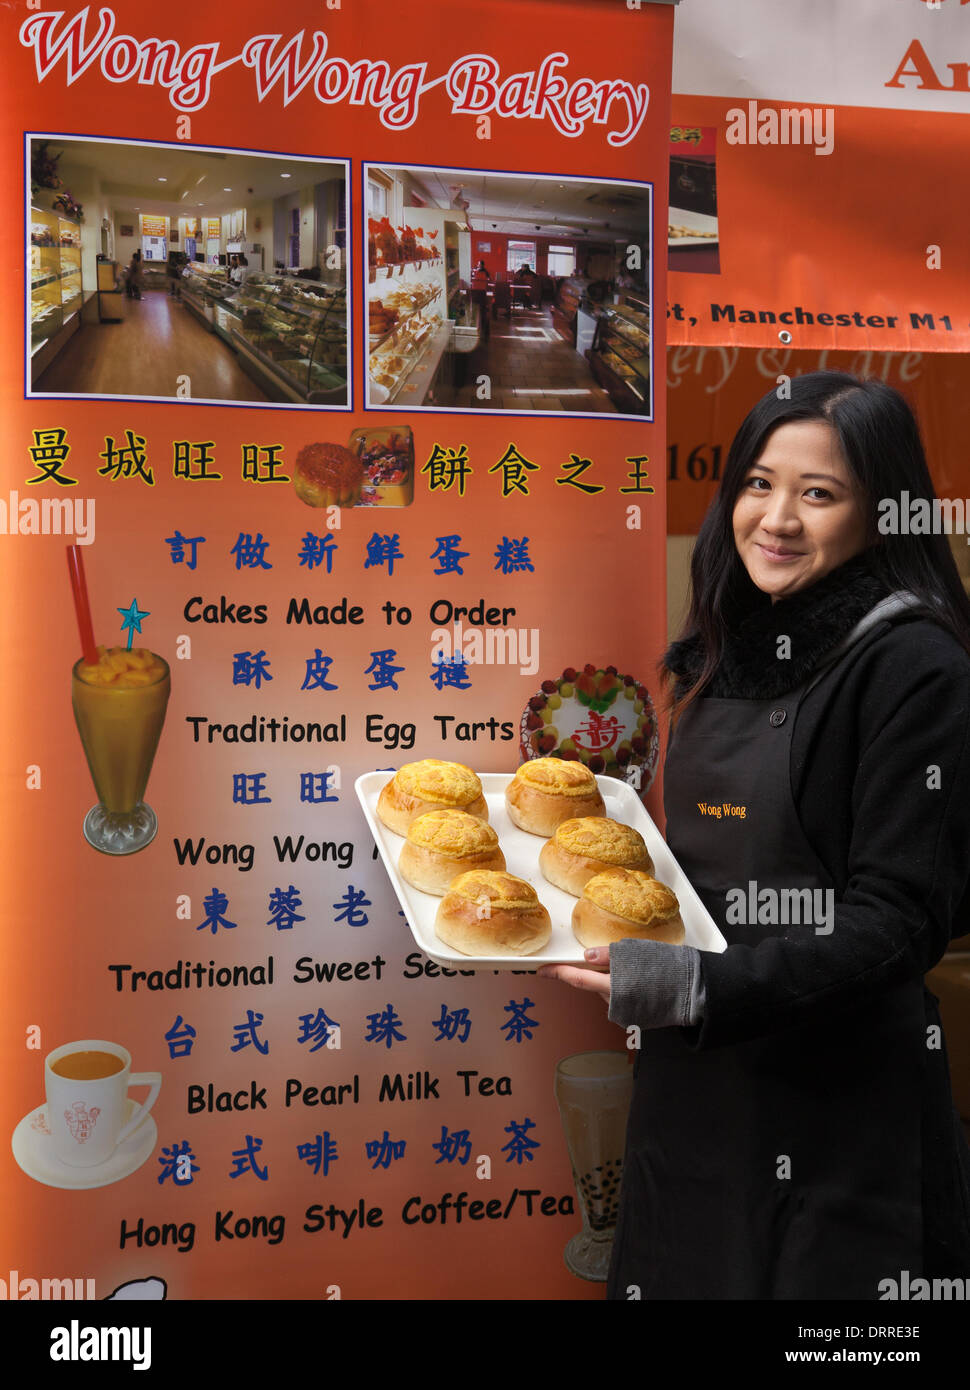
202	288
70	234
620	356
55	274
291	336
227	316
154	275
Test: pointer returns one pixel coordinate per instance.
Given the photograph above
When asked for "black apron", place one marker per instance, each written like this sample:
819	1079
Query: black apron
785	1167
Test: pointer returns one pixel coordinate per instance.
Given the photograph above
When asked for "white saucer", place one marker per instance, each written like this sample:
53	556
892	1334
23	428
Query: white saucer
33	1148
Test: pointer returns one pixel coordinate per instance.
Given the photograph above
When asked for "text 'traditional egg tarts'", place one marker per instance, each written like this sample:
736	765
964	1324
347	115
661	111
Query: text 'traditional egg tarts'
429	785
441	845
585	846
546	791
622	903
492	914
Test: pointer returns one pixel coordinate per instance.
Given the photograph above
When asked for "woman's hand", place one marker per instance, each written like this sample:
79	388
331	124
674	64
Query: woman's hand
595	978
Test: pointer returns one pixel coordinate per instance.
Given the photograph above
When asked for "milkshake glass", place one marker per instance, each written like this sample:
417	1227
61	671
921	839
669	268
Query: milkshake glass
119	706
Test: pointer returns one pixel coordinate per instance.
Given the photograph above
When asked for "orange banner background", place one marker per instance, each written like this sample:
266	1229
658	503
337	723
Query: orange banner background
72	914
848	233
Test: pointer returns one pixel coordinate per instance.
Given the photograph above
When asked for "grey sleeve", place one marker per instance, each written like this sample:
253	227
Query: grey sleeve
655	985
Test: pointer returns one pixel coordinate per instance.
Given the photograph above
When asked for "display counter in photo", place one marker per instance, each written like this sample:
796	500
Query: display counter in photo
507	292
181	272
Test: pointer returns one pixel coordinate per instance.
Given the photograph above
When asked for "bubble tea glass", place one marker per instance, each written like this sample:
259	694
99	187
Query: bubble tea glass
593	1091
119	707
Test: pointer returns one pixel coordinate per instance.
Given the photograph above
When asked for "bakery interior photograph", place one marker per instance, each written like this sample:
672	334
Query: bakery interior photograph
166	262
507	292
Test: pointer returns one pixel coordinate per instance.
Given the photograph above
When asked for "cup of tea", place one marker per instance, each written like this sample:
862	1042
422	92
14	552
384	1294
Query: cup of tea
87	1086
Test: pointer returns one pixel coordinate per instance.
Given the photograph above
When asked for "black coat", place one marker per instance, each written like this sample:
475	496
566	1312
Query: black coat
880	775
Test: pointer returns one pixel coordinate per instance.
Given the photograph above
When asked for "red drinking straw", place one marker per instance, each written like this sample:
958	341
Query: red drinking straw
82	607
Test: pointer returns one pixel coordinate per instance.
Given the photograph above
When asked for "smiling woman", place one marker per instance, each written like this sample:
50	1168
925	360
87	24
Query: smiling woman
792	1133
800	513
804	475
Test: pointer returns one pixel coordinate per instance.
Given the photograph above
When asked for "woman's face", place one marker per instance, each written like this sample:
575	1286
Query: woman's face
800	513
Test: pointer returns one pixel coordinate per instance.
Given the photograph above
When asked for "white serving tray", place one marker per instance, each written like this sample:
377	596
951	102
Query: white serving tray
521	852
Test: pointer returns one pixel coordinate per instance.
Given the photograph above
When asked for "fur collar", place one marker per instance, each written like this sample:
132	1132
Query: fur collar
815	619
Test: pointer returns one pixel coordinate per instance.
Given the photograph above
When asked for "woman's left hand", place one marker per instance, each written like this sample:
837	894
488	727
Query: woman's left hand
596	977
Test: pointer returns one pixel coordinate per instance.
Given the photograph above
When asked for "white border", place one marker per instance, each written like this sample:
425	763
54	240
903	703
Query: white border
30	394
398	408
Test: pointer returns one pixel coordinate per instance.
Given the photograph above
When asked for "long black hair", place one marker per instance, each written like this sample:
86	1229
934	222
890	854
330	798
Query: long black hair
881	444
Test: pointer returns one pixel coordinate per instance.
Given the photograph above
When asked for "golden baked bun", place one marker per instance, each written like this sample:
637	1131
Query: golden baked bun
441	845
546	791
492	914
429	785
328	475
621	903
586	846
